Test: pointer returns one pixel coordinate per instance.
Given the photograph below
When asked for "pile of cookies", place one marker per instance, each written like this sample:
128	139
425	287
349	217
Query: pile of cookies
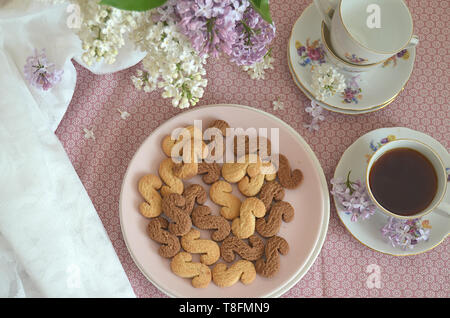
248	228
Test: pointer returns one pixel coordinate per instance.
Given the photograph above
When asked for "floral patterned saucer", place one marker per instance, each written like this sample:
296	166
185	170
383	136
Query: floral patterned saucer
365	92
330	108
369	231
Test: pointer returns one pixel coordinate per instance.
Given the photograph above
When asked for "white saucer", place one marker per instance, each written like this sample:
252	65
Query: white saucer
379	86
368	231
330	108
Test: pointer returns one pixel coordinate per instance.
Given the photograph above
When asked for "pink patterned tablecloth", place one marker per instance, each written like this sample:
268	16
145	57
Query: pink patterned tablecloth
340	269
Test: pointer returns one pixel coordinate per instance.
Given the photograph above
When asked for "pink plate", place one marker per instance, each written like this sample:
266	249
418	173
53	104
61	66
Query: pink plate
305	234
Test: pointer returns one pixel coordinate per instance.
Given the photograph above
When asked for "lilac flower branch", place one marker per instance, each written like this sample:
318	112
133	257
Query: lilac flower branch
353	197
405	234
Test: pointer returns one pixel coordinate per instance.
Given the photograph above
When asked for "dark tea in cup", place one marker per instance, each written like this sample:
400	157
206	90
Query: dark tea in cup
403	181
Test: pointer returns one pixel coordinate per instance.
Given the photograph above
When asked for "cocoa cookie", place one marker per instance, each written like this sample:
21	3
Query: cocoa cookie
222	125
216	133
271	265
262	146
251	252
288	179
210	172
280	211
271	191
157	230
194	193
174	205
202	218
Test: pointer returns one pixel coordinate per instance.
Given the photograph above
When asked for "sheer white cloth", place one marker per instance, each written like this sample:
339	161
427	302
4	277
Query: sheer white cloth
52	242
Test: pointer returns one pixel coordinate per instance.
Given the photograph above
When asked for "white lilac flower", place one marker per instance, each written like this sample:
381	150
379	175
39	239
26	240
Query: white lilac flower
171	62
353	198
277	105
89	134
326	81
103	30
123	114
257	70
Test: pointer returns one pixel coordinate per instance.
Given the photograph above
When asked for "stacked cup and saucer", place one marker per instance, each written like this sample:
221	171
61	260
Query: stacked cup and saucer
390	186
370	42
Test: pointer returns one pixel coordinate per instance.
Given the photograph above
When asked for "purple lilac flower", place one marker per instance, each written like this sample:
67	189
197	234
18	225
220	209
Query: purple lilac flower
253	37
209	24
40	73
315	110
405	233
353	197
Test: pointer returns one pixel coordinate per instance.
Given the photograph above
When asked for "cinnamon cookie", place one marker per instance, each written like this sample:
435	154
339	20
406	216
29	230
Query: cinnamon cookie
210	172
202	218
271	265
173	205
280	211
252	251
194	193
271	191
157	230
288	179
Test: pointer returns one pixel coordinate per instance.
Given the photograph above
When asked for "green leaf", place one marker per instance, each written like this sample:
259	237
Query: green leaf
262	7
134	5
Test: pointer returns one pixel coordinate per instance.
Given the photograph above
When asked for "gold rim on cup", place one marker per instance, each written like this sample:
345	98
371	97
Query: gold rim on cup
331	51
372	50
429	209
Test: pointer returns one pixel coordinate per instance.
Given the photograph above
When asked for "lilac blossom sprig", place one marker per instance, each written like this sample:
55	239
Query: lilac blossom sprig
40	73
209	24
352	195
254	35
315	110
405	233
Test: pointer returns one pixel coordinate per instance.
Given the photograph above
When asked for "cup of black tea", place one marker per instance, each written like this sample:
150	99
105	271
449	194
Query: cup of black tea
406	179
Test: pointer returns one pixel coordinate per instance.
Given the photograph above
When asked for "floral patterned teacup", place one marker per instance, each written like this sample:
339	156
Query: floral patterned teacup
337	61
439	168
365	32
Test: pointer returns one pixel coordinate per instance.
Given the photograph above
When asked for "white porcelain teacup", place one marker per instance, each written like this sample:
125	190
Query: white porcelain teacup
367	32
441	177
336	60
